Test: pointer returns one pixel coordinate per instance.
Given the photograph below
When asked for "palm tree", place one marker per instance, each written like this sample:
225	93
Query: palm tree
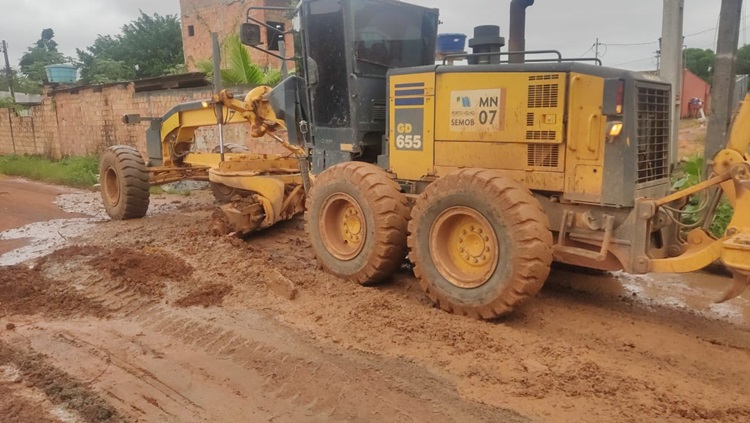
240	68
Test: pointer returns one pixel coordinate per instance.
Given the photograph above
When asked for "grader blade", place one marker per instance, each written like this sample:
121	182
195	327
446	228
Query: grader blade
240	217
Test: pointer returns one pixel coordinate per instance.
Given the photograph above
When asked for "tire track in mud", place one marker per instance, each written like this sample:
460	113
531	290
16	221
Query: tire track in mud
331	384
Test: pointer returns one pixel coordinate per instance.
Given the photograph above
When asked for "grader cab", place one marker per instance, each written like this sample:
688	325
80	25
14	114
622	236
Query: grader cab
482	174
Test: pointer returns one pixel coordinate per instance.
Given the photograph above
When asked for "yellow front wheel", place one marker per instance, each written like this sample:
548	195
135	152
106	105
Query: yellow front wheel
356	220
124	181
480	243
464	247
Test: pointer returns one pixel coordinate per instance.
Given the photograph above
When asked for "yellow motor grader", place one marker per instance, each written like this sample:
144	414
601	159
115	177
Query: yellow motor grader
482	174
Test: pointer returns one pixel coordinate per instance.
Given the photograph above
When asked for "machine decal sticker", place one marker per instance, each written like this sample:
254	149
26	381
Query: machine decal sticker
409	124
477	110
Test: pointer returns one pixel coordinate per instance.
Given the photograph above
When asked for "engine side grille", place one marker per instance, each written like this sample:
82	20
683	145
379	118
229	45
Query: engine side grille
529	119
378	110
541	135
543	95
653	134
543	155
543	77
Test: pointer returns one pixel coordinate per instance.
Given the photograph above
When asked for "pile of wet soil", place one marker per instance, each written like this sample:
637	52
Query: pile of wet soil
143	271
28	291
206	296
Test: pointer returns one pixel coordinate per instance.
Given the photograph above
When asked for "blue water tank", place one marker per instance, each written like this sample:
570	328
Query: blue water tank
451	43
61	73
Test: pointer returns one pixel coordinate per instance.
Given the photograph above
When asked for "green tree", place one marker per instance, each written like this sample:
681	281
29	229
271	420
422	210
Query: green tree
21	84
103	62
147	47
42	53
700	62
743	60
240	69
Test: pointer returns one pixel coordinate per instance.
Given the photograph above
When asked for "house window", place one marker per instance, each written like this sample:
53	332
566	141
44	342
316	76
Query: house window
274	35
191	31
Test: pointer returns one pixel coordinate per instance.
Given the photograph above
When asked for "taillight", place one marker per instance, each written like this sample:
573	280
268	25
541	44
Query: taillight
620	96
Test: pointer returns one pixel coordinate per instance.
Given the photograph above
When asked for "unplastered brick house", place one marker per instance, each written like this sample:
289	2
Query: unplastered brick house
201	17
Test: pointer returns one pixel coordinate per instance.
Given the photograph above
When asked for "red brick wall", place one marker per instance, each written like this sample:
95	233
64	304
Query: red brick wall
88	120
224	18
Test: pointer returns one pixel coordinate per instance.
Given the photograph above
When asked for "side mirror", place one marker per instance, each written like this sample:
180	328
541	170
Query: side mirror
250	34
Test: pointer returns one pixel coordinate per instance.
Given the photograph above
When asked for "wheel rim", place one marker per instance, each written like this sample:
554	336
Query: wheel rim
111	186
464	247
342	226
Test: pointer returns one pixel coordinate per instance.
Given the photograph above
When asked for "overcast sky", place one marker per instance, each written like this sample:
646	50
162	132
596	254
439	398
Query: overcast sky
570	26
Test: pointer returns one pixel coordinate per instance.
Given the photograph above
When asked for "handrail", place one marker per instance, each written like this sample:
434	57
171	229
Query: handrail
501	53
559	59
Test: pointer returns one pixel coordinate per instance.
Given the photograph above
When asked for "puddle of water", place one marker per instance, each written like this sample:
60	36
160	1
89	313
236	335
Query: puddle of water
693	292
44	237
88	203
38	239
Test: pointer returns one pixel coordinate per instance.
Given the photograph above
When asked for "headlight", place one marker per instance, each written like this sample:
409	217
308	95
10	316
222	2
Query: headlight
614	128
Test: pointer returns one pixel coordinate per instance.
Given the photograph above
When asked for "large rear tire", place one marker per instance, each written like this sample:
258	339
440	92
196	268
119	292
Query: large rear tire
124	181
480	243
221	192
356	220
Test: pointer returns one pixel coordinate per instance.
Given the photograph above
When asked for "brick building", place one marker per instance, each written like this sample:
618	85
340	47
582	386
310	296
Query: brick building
693	87
75	121
201	17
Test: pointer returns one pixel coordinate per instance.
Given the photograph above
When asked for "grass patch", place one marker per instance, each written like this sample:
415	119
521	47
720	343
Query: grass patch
156	190
75	171
691	173
689	123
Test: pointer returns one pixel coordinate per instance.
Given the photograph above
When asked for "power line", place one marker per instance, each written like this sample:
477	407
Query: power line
701	32
634	61
657	42
590	48
630	44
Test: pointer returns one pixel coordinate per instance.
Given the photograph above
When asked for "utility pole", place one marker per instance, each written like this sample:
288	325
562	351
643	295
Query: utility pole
596	50
670	66
722	91
8	71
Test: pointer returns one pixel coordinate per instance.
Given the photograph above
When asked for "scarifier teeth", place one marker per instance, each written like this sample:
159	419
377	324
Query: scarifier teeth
739	284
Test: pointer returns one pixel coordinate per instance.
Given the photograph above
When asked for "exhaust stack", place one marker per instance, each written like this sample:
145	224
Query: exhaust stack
517	32
486	39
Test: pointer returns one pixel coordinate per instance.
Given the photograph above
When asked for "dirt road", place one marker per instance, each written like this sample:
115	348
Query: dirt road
156	320
23	202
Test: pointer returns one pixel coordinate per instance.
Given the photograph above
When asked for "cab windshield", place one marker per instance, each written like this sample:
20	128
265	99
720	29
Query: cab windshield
392	36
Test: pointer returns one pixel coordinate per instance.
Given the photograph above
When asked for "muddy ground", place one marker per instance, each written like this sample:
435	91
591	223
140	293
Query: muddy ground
157	320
